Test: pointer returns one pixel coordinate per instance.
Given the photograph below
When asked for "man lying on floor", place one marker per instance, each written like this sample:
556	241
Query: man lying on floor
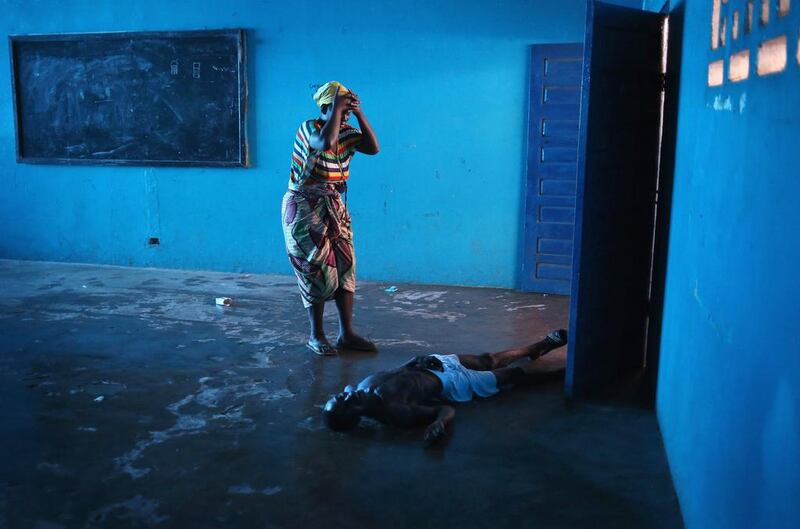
413	393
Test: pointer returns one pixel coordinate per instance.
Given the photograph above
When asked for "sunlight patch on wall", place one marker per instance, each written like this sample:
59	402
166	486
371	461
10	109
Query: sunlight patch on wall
739	68
798	50
723	32
715	73
772	56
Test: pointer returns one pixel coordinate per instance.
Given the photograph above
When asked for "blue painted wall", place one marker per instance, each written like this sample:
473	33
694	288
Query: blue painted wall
729	386
444	84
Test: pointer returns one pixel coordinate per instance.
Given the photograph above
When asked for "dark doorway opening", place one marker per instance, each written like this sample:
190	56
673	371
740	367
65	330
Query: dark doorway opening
622	189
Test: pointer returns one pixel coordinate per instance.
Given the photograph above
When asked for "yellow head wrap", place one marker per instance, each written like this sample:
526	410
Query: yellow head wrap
324	96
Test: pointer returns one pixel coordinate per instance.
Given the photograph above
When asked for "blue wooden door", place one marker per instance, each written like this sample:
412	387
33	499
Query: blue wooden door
615	195
553	111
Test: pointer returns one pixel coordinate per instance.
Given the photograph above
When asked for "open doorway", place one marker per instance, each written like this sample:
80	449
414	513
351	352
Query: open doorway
609	204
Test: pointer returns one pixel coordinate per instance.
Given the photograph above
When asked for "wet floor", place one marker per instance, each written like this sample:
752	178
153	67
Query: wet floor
129	399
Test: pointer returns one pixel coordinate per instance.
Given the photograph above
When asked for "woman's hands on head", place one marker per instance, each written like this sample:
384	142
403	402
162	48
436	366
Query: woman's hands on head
347	102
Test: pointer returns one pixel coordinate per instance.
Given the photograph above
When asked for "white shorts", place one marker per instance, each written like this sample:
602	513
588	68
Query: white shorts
459	384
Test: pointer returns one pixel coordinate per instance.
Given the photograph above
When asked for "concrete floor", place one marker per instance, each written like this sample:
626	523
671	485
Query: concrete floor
130	400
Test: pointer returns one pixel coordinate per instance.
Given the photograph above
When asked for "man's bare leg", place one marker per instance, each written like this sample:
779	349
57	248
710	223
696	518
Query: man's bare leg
526	373
501	359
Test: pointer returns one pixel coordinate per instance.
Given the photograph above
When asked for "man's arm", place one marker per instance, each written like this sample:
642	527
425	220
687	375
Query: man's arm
412	361
436	429
426	362
369	141
436	417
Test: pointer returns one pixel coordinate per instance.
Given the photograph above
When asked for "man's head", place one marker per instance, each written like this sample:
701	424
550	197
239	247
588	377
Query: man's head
343	412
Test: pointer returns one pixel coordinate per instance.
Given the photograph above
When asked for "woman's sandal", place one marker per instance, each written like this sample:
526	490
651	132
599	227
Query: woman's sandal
322	349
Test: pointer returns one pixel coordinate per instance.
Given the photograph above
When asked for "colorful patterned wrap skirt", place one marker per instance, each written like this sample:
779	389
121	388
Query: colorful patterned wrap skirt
319	241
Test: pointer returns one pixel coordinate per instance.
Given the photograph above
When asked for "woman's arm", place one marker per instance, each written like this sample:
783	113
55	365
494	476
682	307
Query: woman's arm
328	136
369	141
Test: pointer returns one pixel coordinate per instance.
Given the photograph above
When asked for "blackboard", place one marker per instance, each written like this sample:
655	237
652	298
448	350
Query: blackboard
144	98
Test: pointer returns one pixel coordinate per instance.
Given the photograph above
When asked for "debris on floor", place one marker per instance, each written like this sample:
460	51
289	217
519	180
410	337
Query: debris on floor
537	306
224	302
391	289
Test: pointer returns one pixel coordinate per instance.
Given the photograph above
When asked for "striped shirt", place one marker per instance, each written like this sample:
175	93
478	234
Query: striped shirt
310	166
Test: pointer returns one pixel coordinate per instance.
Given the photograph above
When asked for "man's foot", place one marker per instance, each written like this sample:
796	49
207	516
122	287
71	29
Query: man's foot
355	342
556	338
321	347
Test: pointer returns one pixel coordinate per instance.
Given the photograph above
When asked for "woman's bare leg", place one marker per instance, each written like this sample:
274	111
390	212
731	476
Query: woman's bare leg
348	339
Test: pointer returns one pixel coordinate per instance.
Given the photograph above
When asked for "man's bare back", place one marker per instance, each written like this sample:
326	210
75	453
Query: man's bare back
417	392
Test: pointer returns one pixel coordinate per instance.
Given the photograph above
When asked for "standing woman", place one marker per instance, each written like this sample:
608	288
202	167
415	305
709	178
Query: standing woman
316	223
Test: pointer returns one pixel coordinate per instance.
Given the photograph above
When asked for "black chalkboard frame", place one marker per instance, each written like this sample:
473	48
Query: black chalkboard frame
243	160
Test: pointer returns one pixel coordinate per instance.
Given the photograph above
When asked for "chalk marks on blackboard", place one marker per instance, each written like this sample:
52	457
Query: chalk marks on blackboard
144	98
